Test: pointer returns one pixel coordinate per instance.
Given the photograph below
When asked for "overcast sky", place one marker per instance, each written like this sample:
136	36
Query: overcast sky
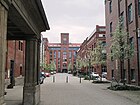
76	17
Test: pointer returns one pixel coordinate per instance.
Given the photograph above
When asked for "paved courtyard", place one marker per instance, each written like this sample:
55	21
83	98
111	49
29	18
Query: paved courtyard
76	93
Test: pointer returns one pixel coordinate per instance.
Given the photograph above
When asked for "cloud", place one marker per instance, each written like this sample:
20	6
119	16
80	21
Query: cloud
76	17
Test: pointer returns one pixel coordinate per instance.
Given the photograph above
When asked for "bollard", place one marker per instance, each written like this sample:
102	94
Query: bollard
80	79
67	79
53	79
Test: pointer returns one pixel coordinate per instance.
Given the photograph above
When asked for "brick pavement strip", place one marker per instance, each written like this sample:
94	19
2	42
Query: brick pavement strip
74	93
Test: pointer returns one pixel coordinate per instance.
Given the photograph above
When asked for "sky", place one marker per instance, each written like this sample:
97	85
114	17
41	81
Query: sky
76	17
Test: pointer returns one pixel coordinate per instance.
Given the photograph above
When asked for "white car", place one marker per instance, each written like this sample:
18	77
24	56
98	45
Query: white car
52	72
95	76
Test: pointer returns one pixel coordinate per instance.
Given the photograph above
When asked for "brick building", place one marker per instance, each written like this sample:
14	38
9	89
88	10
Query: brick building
63	53
99	34
44	51
129	12
15	62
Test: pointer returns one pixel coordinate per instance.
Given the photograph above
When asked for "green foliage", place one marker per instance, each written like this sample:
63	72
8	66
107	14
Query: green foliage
70	66
98	54
120	46
86	77
95	56
51	66
80	62
47	67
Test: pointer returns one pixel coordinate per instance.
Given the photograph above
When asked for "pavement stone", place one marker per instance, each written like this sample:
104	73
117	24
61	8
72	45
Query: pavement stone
75	93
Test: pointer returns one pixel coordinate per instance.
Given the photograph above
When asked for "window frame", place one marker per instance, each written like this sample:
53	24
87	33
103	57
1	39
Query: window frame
110	28
110	6
130	13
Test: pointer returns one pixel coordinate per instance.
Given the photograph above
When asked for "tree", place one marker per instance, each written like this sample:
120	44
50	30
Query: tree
80	62
70	66
52	66
47	67
121	49
98	55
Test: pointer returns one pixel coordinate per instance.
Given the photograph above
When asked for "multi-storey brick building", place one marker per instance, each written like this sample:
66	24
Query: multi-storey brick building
15	62
129	12
44	52
99	34
63	53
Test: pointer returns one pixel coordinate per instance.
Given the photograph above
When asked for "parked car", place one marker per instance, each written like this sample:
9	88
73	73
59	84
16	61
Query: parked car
52	72
69	71
104	75
94	76
42	78
43	74
47	74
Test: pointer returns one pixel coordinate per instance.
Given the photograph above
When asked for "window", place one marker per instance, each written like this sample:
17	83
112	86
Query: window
104	43
64	40
101	35
112	74
112	56
74	54
54	54
130	15
92	47
50	56
139	7
58	54
132	43
50	52
124	74
64	53
110	6
133	74
110	29
122	20
20	45
70	54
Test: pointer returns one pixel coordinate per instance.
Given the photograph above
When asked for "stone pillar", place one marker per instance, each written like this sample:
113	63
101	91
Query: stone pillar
31	89
3	48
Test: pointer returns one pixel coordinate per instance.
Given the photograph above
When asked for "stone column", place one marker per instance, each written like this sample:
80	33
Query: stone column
31	89
3	48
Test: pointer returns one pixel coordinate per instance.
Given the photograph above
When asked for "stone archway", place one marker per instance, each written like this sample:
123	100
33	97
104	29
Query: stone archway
23	20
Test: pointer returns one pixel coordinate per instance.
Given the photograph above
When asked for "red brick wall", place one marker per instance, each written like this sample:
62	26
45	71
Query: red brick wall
130	28
13	53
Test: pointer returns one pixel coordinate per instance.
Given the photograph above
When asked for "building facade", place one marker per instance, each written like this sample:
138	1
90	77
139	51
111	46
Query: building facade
90	43
15	62
44	52
63	53
128	11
